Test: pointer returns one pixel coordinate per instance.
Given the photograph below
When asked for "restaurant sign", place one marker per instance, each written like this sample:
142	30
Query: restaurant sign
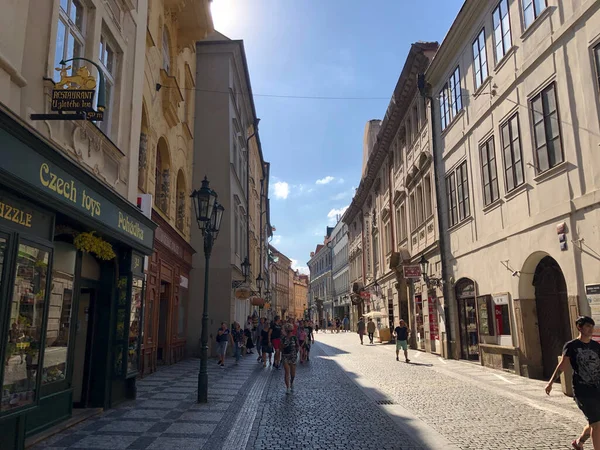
20	160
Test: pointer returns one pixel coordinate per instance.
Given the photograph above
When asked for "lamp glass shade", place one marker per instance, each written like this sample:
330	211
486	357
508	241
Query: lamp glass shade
245	267
204	201
259	281
217	216
424	263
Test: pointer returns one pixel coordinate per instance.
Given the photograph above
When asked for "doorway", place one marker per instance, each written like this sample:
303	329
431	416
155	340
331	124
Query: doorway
552	306
83	347
467	318
163	322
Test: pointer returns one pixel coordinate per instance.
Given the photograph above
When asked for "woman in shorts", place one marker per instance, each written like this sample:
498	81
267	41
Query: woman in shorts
265	346
289	348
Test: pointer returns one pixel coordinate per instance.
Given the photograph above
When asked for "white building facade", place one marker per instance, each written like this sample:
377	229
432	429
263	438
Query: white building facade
515	87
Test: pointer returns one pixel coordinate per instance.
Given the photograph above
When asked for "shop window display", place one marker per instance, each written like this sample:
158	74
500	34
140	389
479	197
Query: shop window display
25	330
134	325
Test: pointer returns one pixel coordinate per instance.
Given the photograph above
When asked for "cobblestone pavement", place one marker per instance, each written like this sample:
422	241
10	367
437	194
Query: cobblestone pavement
348	397
472	406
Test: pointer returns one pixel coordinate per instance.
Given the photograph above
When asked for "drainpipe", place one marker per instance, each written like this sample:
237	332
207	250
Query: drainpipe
423	87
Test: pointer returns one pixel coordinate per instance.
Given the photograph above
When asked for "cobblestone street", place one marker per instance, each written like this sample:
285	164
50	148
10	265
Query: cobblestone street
348	397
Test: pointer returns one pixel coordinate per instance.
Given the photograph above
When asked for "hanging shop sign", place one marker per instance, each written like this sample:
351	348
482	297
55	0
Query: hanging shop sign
73	95
592	292
243	293
412	271
23	162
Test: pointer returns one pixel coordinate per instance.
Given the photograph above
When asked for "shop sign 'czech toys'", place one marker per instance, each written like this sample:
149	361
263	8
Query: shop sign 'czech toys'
73	95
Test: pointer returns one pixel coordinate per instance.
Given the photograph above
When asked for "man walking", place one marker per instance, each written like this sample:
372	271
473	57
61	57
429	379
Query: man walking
584	356
361	329
402	333
346	323
371	329
275	340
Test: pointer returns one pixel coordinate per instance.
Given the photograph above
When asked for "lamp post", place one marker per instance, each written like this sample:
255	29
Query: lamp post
429	281
208	215
246	268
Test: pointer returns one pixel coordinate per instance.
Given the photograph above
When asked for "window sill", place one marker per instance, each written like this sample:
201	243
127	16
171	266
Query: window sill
453	122
551	173
461	224
500	64
516	191
492	206
481	88
536	23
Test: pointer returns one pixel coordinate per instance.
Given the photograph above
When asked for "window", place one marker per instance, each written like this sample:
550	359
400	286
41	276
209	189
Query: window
413	213
415	119
427	195
236	226
480	59
489	173
546	129
597	58
462	191
108	63
166	51
451	190
423	110
419	205
502	36
511	153
532	9
450	99
70	34
387	243
408	128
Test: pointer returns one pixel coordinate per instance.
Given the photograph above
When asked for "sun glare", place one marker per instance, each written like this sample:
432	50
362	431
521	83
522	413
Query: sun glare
224	15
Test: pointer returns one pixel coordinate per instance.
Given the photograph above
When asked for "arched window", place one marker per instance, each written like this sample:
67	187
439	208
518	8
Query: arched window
162	177
166	50
181	198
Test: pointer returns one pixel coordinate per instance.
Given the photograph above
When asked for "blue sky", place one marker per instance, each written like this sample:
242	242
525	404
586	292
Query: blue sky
322	48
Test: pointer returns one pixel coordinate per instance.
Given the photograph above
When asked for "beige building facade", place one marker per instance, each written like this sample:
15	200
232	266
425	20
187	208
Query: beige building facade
230	156
516	125
300	294
165	169
282	285
392	219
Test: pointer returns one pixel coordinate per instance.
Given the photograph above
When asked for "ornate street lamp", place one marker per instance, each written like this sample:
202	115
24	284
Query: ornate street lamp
259	283
209	214
246	268
429	281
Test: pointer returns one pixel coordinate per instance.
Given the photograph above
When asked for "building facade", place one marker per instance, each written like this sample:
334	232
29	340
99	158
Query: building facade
340	271
230	155
320	290
280	284
165	170
392	218
73	248
515	129
300	294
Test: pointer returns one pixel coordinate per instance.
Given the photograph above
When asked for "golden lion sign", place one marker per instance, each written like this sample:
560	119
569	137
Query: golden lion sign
75	93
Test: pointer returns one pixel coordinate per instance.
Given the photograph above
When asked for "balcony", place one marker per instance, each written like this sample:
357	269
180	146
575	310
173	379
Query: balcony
171	98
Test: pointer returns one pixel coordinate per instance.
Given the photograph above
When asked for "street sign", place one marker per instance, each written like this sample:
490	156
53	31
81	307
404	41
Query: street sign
412	271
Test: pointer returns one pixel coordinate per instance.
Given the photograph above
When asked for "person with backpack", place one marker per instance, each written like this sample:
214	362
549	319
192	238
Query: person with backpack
302	337
275	340
289	345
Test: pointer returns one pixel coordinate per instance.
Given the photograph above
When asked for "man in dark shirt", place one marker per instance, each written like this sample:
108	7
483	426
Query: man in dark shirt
275	340
584	356
402	332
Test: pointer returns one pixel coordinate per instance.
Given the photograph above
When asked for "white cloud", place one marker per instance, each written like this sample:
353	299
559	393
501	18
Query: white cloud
332	215
326	180
281	189
302	269
276	239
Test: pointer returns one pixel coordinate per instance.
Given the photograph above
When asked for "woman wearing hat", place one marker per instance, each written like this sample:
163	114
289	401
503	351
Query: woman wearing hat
289	345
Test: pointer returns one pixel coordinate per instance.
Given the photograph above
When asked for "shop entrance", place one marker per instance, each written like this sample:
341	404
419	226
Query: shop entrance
552	306
83	346
467	318
163	321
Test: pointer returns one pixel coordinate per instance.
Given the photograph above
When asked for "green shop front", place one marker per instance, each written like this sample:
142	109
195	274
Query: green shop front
71	286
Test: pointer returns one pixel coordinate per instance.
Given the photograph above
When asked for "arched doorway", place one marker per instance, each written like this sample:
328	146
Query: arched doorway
552	306
467	319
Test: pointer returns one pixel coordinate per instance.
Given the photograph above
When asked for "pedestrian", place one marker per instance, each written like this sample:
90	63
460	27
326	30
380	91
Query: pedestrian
222	339
317	327
583	354
310	338
402	333
371	329
301	335
361	329
237	341
265	346
346	323
275	340
330	325
259	342
289	344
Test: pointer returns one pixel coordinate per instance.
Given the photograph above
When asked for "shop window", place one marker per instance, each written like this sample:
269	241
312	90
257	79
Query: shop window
22	356
135	317
502	314
182	312
59	313
486	315
149	314
121	326
70	33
